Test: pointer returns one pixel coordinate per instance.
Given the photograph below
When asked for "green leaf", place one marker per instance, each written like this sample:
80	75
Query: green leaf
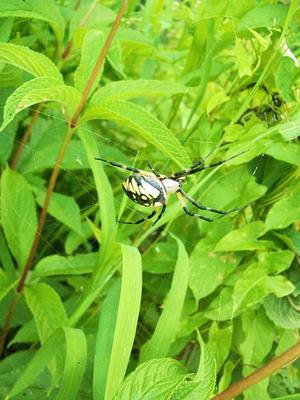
210	267
105	195
126	322
142	122
206	374
264	16
72	265
284	78
282	312
37	91
63	208
30	61
285	211
41	297
18	214
244	238
259	334
5	284
92	44
75	361
220	343
156	379
39	10
105	338
203	384
253	285
165	332
131	89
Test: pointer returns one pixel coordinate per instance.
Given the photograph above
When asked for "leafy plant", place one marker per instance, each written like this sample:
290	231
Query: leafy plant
184	309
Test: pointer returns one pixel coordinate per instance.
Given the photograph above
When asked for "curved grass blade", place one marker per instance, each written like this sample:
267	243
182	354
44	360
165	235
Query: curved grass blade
75	361
165	331
125	328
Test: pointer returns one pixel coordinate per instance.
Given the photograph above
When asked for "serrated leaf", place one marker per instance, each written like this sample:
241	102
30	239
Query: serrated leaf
75	362
203	384
155	379
63	208
18	214
143	123
165	332
47	309
72	265
39	90
28	60
39	10
281	312
92	44
130	89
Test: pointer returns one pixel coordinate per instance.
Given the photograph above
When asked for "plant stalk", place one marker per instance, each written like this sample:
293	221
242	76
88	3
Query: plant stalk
261	373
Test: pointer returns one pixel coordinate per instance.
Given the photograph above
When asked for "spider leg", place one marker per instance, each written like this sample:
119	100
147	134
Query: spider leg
201	207
140	220
154	170
191	213
160	214
115	164
200	167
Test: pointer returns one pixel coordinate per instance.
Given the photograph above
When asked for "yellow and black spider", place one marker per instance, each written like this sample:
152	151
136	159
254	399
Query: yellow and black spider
151	189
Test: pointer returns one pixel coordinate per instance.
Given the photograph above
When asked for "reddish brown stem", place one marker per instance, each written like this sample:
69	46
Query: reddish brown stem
261	373
26	136
56	169
99	63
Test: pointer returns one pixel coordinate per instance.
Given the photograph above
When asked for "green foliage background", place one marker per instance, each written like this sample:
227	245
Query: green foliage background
183	81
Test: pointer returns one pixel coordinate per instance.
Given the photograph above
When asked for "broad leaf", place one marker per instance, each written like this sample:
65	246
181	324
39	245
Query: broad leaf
91	47
18	214
47	309
39	10
130	89
282	312
63	208
143	123
259	334
28	60
285	211
156	379
36	91
72	265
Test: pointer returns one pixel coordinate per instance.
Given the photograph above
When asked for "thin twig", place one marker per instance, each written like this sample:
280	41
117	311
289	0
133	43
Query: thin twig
55	172
99	63
261	373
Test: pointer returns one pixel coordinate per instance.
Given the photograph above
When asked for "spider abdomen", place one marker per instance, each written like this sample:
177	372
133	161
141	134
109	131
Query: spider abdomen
146	190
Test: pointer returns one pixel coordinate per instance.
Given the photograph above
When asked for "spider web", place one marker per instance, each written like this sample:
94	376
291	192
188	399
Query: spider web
82	182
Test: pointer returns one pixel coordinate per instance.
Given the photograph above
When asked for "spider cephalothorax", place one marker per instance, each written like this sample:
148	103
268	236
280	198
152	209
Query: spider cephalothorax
151	189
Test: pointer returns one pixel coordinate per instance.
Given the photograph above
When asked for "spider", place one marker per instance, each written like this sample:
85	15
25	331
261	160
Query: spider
151	189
